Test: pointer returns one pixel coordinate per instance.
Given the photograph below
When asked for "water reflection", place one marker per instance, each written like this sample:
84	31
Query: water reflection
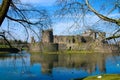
88	62
76	65
56	66
12	66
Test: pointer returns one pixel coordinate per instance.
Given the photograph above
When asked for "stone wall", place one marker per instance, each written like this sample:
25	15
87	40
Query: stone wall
72	42
72	39
62	47
34	47
88	41
104	47
49	47
43	47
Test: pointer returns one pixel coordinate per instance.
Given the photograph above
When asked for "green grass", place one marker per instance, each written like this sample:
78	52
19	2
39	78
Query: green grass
4	46
104	77
82	51
44	52
67	52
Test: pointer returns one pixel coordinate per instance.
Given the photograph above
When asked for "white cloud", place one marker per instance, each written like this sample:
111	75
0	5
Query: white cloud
41	2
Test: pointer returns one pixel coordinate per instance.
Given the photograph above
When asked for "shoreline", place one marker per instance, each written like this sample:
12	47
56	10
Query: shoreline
102	77
73	52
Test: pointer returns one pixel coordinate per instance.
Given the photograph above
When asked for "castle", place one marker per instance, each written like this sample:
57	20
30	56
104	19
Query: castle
89	40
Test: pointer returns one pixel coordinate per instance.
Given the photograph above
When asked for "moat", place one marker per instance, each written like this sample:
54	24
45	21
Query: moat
26	66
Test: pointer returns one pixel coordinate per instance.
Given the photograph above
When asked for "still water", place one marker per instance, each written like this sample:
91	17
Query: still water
25	66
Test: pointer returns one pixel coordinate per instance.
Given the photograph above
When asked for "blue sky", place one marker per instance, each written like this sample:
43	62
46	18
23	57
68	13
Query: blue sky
39	2
20	33
61	27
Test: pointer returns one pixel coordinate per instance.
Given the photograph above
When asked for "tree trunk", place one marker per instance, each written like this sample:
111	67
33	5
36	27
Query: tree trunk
4	9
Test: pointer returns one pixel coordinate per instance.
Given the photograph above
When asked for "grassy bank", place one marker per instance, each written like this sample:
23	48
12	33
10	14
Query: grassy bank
67	52
103	77
81	51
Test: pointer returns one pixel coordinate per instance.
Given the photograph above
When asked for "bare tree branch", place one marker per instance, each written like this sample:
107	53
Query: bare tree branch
29	20
6	40
116	21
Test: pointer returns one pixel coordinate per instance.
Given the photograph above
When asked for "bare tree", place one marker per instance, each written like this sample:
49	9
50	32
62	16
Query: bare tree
116	21
106	18
80	9
73	10
22	17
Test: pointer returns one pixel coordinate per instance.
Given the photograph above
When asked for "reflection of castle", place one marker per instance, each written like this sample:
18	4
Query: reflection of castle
87	62
52	42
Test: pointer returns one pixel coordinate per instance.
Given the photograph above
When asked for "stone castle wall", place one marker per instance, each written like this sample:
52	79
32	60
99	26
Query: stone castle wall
59	43
49	47
72	42
35	47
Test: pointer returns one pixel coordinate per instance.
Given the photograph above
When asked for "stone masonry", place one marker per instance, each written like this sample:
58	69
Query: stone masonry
87	41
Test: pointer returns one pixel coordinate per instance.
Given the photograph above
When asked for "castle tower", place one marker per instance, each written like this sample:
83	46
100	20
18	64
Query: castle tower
47	36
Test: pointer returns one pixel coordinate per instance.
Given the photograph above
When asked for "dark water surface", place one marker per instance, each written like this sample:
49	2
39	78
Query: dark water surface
25	66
